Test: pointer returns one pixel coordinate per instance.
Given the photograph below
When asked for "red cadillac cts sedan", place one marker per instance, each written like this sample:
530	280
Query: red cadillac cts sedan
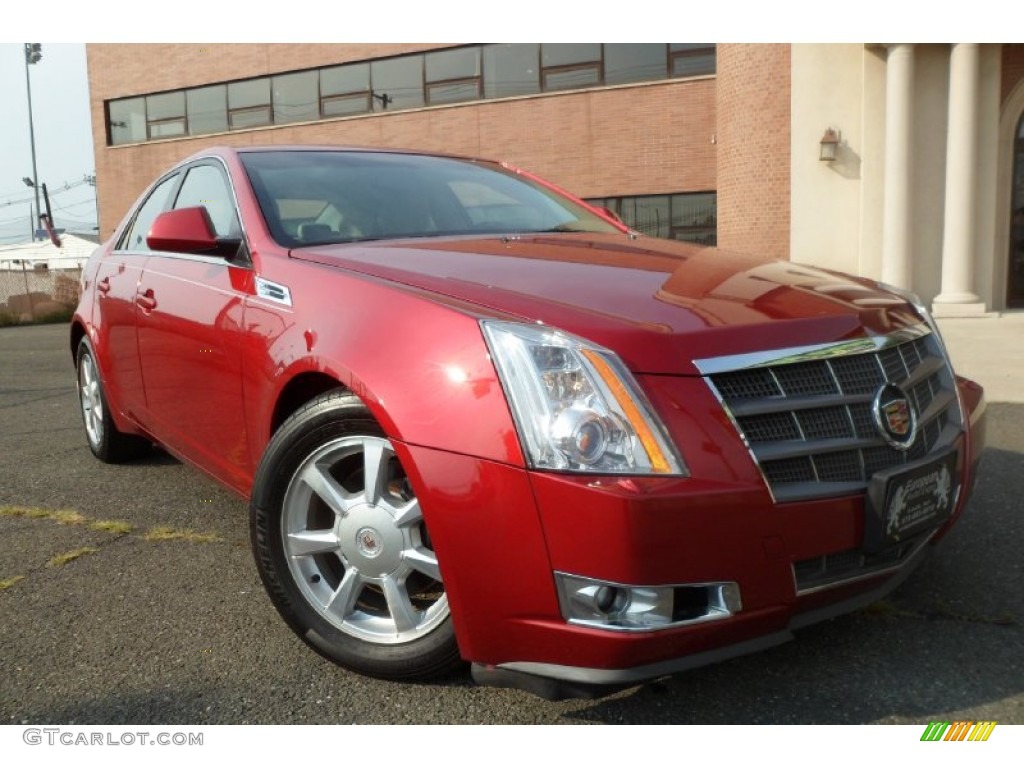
479	420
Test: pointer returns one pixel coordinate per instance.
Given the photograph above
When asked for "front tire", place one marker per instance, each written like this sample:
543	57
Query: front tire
341	546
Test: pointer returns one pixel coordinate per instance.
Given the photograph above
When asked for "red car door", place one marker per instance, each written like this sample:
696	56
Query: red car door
190	325
117	281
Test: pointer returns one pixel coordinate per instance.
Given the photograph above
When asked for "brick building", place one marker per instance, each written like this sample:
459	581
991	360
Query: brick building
714	144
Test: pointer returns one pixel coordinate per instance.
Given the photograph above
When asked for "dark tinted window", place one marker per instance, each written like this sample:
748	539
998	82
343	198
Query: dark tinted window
157	202
692	59
692	217
633	62
570	65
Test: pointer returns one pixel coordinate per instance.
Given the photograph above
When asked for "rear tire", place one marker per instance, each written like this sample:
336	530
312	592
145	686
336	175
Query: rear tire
342	549
106	442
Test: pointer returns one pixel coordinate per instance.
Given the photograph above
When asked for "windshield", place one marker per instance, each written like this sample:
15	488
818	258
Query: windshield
315	197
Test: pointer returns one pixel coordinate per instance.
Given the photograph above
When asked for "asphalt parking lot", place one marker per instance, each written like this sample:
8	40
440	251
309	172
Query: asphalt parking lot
129	597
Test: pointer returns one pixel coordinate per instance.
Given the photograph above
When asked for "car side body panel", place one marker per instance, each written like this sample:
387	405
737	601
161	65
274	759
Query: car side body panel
190	320
370	337
115	285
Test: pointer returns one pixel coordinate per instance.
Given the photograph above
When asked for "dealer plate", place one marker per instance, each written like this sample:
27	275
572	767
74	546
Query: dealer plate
905	501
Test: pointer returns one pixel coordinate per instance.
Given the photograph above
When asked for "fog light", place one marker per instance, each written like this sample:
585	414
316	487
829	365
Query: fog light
609	599
637	608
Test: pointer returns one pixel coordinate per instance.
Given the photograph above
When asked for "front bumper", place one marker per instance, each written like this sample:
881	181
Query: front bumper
556	682
501	533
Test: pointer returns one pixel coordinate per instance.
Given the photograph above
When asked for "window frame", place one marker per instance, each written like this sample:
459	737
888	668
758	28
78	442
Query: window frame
123	245
373	99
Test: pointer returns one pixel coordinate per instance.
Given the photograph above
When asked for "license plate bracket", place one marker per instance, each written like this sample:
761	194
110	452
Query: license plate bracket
904	501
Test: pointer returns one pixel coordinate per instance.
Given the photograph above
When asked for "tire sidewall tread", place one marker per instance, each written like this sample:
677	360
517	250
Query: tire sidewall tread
115	447
334	414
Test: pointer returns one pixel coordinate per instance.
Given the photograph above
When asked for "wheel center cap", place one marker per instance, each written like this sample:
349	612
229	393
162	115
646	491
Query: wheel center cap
369	542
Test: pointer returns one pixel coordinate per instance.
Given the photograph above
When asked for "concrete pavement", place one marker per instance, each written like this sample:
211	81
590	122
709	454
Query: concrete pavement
989	350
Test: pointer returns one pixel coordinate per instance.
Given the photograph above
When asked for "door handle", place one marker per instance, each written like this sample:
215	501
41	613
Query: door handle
103	286
146	301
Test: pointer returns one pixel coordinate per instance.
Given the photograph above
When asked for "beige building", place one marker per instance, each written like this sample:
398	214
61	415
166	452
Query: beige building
714	144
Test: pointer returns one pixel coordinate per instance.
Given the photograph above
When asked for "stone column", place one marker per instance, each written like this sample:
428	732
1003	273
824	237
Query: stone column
897	223
958	233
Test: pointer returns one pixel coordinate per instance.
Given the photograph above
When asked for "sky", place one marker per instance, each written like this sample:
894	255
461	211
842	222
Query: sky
63	139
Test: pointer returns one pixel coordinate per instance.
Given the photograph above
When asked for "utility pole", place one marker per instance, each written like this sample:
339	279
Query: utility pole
33	53
91	181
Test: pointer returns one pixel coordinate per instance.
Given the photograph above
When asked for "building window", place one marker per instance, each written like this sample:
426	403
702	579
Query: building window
633	63
345	90
207	109
165	115
570	65
692	217
249	103
296	97
691	59
511	70
445	76
126	119
397	83
1015	276
452	75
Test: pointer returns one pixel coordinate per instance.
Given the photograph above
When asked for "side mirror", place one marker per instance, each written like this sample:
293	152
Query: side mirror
184	230
189	230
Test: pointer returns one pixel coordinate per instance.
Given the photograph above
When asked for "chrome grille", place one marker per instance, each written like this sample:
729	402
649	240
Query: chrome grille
807	414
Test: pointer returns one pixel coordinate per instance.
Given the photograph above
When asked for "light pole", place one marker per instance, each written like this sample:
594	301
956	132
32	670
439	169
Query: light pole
33	53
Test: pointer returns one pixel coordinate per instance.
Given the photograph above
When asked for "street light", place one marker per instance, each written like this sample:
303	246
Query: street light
33	53
33	224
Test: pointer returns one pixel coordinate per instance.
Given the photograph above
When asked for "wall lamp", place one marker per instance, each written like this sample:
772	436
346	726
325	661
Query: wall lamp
829	149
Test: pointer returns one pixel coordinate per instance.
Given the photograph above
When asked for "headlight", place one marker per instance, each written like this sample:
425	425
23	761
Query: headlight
575	405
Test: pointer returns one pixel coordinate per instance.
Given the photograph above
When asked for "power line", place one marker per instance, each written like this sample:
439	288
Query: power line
67	187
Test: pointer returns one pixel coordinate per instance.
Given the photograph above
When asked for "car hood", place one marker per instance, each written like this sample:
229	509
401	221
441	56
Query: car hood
659	304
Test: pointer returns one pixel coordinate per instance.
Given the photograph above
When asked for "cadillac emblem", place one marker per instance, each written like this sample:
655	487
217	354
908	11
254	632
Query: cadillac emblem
894	417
